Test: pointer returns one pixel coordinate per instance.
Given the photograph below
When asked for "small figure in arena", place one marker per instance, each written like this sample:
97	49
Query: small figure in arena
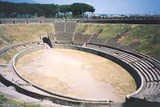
45	41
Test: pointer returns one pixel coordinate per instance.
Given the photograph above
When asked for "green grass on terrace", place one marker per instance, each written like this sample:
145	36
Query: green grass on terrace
112	30
23	32
5	102
87	28
8	56
149	35
109	30
1	43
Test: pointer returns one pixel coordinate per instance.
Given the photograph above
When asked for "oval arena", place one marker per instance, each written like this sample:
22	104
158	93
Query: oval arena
79	69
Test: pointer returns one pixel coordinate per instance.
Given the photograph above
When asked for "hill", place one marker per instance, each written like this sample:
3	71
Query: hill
19	1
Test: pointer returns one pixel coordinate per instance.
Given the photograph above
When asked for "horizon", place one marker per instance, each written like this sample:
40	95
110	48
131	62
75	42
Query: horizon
125	7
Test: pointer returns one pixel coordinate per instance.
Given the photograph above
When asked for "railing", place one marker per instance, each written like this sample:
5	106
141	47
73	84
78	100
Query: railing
5	49
145	20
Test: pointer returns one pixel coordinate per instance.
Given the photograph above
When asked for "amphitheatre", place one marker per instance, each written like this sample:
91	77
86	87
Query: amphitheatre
79	63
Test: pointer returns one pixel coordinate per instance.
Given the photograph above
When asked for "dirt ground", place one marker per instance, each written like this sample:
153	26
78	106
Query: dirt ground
76	73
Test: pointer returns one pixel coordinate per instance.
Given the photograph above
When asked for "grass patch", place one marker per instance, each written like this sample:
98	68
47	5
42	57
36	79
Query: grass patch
5	102
88	28
12	34
109	30
81	28
23	32
143	33
2	99
1	43
112	30
149	35
20	104
7	56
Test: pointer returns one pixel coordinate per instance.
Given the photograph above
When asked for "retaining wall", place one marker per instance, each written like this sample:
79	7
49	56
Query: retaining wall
136	75
81	20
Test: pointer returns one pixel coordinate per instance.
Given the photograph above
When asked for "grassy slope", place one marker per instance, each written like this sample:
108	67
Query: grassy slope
1	43
4	102
112	30
8	56
149	35
12	34
109	30
89	29
23	32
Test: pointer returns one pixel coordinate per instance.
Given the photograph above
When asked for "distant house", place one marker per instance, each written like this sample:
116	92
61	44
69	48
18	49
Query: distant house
42	17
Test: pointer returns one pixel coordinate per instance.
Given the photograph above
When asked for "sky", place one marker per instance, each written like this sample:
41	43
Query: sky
116	6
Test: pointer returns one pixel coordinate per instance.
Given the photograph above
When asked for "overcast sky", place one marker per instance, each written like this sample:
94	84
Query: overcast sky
116	6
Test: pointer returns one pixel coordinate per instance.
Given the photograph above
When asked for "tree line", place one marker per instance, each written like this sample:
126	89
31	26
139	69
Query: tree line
21	10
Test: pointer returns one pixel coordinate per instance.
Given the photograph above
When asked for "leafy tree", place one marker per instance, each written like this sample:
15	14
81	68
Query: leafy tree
49	10
64	8
78	9
8	9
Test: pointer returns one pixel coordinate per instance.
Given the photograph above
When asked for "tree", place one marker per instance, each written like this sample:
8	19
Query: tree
8	9
78	9
49	9
64	9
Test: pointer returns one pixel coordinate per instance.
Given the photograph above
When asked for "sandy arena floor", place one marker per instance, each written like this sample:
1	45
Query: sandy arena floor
77	73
